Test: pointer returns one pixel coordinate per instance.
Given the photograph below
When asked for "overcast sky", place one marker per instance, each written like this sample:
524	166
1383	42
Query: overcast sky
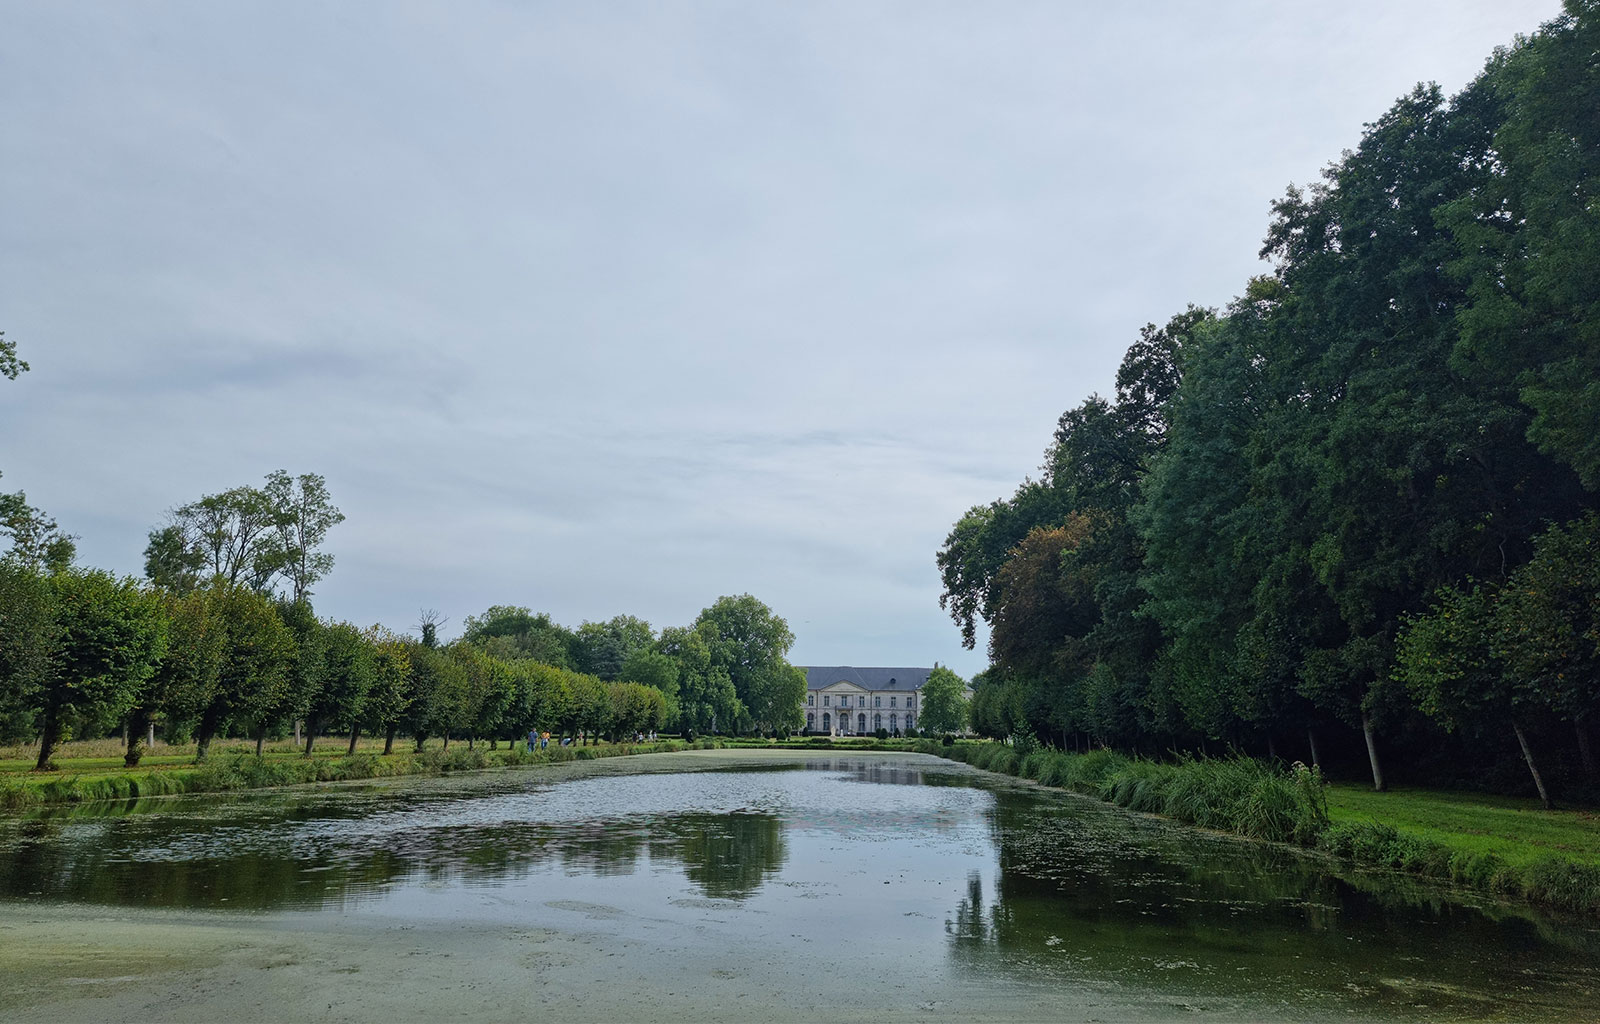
614	307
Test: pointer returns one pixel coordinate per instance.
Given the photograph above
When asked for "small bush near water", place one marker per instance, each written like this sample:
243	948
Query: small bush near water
1262	800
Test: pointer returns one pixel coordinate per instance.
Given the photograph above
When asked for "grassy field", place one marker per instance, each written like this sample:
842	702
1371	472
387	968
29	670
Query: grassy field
1518	831
92	772
104	757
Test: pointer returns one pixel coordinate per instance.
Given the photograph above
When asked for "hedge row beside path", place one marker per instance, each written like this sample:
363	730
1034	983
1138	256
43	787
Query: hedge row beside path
1262	800
246	771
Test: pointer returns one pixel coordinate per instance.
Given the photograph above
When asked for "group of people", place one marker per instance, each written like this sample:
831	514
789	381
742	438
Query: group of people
539	740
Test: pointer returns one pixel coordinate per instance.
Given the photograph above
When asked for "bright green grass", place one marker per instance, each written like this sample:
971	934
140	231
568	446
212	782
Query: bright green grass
85	757
1519	831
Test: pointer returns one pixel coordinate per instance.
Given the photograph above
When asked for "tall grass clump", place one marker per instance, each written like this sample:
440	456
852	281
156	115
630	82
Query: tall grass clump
1088	773
1054	771
1002	760
1034	764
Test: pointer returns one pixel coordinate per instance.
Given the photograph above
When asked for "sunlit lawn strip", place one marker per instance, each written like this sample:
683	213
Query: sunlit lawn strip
243	770
1519	831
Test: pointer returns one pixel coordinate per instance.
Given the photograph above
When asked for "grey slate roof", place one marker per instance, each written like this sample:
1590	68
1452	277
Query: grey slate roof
818	676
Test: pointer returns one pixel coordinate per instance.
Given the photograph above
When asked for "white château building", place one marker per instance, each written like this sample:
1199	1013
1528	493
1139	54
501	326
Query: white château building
846	701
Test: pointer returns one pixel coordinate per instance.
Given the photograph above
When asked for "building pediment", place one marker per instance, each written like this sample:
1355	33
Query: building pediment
844	686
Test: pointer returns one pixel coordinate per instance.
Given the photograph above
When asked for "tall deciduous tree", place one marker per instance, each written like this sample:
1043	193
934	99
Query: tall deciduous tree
111	637
390	694
254	663
171	561
514	632
36	540
602	648
346	676
707	700
29	634
748	643
650	667
944	702
302	514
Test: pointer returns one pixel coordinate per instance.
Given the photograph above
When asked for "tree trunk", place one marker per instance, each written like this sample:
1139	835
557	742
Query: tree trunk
355	733
1316	758
311	735
422	738
447	739
297	732
1527	754
1581	726
388	741
472	741
138	723
49	740
261	738
1272	748
1372	753
208	729
150	739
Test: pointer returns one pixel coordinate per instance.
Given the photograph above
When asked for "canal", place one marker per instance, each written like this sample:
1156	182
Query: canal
735	885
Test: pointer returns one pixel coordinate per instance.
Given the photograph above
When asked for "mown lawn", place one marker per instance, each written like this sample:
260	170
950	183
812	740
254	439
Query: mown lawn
96	758
1517	830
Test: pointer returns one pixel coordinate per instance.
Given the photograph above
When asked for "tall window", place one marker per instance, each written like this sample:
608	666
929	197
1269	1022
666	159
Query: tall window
861	723
892	699
811	700
811	722
877	702
877	721
827	719
825	699
894	720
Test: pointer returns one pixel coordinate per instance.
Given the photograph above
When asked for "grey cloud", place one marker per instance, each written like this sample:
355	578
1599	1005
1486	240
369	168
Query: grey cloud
605	308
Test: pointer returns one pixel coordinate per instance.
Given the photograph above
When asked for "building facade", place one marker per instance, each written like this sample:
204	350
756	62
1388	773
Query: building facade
846	701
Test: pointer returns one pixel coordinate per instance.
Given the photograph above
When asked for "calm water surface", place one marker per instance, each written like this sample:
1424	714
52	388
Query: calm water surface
850	871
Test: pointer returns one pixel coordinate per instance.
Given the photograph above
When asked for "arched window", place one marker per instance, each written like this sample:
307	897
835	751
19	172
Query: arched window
811	723
911	722
827	722
894	720
861	723
877	721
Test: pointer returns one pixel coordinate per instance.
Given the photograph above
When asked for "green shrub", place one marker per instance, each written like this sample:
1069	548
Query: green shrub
1034	764
1004	762
1054	771
1025	744
1087	773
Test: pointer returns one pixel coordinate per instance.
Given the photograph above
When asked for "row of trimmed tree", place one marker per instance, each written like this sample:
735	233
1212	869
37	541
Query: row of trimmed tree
83	652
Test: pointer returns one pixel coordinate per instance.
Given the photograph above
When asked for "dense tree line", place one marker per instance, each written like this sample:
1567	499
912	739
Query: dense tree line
220	639
84	653
1358	503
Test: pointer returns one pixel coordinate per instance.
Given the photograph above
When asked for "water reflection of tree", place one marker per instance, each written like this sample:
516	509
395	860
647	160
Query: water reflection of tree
1087	890
140	862
728	856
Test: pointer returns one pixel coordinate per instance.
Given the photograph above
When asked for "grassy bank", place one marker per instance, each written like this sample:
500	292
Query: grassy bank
85	779
1498	846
